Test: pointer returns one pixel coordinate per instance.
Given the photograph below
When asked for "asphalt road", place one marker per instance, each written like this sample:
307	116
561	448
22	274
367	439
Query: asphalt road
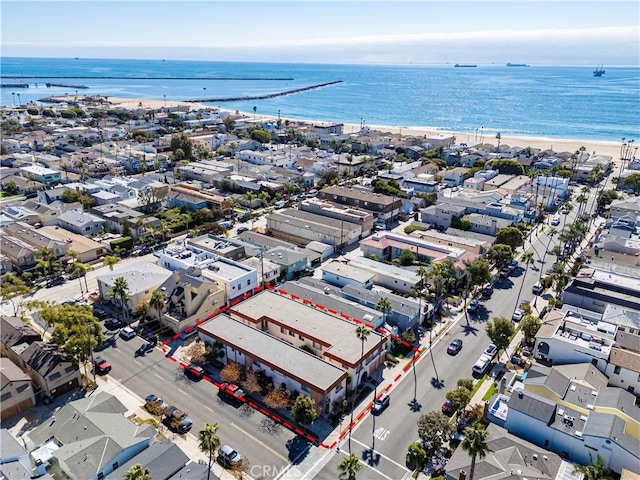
381	442
243	428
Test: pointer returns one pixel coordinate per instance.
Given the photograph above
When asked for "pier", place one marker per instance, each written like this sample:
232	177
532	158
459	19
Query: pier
14	85
66	85
262	97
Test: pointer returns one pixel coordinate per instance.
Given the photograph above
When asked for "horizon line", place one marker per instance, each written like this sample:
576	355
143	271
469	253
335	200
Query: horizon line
448	63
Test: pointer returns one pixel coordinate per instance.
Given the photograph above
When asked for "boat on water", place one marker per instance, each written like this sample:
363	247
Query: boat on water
464	65
599	71
517	65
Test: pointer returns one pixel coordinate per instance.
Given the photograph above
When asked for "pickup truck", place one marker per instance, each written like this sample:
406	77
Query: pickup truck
155	405
177	420
232	391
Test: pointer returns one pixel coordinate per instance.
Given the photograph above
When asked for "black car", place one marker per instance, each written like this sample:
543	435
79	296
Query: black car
55	281
242	229
112	323
99	313
454	347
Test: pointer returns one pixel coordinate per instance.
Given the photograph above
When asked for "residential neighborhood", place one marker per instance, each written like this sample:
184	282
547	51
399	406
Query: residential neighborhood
265	282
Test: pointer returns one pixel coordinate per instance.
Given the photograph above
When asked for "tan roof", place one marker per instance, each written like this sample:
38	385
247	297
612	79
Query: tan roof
625	359
76	242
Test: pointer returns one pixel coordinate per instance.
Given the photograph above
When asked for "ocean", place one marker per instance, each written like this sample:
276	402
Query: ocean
534	101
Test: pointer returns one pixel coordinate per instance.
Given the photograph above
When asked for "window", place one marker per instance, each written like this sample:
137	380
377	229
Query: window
630	389
22	388
5	397
100	476
115	465
317	346
300	337
283	330
55	376
292	333
594	361
304	388
617	369
249	282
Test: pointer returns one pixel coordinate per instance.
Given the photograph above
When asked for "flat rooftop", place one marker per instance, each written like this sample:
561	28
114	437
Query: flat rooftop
310	321
348	271
279	355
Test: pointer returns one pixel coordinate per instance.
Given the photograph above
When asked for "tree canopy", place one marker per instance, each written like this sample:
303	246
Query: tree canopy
507	166
500	254
434	429
500	331
511	236
304	410
75	328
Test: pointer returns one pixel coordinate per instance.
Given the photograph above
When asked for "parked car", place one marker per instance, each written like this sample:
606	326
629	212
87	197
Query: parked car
537	288
504	272
127	333
228	457
473	305
242	229
55	281
447	407
194	370
555	221
112	323
513	264
380	404
454	347
487	290
491	350
101	366
517	315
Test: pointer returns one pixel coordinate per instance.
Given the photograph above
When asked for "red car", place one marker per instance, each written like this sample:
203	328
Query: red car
447	407
101	366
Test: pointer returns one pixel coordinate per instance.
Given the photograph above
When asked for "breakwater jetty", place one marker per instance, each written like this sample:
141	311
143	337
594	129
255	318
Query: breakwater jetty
111	77
262	97
66	85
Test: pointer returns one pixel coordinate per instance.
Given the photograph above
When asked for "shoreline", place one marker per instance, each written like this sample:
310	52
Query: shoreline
558	145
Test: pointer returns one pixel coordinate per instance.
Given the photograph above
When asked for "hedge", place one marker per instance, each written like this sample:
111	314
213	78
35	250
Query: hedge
124	242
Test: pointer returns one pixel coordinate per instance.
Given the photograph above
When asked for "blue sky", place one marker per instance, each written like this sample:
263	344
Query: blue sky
368	32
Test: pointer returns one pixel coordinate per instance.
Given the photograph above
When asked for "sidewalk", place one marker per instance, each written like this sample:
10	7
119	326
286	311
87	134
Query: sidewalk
188	443
318	457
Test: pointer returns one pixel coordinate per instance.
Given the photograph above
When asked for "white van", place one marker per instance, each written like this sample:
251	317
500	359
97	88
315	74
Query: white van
481	366
279	204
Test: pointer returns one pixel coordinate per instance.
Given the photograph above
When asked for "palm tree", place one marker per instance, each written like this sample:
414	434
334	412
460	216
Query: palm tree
475	444
595	471
80	270
120	292
527	259
349	467
157	301
384	306
110	261
362	333
250	197
46	254
136	472
209	442
552	233
581	199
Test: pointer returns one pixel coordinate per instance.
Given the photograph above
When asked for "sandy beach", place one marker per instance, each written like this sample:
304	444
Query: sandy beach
611	149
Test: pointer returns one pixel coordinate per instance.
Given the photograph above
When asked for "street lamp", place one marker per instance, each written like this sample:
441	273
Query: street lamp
13	94
165	100
19	101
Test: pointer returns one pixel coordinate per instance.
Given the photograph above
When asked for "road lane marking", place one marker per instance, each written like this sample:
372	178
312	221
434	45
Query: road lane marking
208	408
381	433
159	376
371	467
183	392
260	442
136	361
383	456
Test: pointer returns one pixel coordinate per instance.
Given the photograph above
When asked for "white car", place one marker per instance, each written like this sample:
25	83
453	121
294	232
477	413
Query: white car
555	221
517	315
